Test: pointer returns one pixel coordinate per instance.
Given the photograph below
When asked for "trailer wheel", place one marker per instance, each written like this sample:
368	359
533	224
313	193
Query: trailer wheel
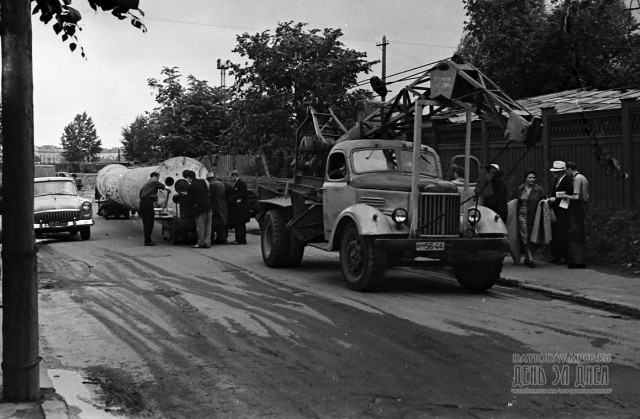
274	239
296	252
362	266
478	276
85	233
173	237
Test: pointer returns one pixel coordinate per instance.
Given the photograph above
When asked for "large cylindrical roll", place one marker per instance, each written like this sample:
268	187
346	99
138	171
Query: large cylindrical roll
122	185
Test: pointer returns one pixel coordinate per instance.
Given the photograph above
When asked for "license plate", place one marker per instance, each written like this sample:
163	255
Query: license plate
429	246
54	224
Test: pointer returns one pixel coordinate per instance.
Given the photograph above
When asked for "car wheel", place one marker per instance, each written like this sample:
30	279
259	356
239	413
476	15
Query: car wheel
85	233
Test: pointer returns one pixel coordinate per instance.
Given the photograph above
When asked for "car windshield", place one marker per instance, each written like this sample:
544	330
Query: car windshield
54	188
393	160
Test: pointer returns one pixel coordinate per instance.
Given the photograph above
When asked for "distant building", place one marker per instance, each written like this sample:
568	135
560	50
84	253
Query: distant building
51	154
48	154
115	154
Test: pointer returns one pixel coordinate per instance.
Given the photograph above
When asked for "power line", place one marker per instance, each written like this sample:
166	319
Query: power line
423	44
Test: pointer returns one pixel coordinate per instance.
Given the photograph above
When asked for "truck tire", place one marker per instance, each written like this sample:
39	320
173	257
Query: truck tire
274	239
296	252
362	266
478	276
85	233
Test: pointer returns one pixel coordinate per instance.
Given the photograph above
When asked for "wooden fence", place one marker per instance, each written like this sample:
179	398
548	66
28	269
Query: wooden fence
595	140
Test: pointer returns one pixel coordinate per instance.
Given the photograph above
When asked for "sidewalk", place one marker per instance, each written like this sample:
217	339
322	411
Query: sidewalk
591	287
612	292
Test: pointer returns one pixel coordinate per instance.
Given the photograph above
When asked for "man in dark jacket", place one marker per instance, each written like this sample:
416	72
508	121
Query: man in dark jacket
559	203
148	196
239	208
219	213
198	193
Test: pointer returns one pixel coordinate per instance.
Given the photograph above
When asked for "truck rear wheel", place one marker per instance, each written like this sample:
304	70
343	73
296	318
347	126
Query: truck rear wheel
362	266
274	240
478	276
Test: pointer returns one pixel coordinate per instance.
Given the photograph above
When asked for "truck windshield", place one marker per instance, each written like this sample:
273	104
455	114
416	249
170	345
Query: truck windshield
54	188
392	160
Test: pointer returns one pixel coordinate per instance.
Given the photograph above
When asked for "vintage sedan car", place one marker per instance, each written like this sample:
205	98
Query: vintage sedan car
58	207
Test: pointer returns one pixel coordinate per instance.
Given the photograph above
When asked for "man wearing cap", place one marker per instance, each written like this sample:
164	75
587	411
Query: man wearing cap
148	196
559	203
219	213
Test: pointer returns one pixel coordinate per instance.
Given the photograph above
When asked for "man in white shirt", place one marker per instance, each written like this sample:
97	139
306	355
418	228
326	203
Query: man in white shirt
577	211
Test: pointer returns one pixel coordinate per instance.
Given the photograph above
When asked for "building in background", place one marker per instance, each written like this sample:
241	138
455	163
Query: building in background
51	154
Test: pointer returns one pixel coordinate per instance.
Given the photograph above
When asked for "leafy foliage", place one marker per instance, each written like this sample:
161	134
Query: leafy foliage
189	120
546	46
79	140
289	70
613	237
66	17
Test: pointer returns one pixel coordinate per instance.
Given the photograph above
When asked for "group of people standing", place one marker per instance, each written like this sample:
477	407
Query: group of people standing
563	210
216	207
536	219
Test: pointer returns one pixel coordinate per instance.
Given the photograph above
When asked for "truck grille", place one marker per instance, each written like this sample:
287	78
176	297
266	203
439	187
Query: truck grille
439	215
55	216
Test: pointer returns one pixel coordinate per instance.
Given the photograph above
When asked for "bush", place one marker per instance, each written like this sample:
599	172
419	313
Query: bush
613	237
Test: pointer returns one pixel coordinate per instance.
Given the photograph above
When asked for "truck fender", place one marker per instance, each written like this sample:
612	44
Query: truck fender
490	222
265	205
368	220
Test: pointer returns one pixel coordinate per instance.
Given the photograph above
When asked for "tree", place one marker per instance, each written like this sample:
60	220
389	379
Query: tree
189	121
546	46
138	139
289	70
20	356
79	140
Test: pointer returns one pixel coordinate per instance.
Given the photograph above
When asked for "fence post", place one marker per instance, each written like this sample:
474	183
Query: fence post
629	197
546	149
484	129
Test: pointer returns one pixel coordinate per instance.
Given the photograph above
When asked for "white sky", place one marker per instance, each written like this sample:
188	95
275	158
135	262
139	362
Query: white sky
111	84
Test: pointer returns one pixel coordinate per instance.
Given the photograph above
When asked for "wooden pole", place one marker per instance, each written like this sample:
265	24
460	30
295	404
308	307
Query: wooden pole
20	356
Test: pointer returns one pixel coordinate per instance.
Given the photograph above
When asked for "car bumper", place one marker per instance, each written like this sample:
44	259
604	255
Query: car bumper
62	226
448	250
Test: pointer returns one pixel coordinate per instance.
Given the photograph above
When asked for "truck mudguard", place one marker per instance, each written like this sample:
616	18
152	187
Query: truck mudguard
490	222
368	220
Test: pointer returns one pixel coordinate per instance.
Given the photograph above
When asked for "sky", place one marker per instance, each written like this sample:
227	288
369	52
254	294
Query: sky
111	83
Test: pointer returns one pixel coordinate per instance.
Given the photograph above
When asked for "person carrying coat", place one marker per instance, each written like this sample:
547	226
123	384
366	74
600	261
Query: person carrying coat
219	212
528	195
238	208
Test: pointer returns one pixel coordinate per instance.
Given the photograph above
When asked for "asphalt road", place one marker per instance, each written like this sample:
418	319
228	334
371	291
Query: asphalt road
170	331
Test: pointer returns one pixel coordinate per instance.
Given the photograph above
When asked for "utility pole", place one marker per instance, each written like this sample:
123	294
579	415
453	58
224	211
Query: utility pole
20	343
223	71
384	62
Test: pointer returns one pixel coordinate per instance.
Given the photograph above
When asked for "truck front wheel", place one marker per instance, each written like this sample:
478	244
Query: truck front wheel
478	276
362	266
274	239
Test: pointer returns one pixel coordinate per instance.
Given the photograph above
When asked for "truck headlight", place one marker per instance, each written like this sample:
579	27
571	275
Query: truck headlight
474	216
399	215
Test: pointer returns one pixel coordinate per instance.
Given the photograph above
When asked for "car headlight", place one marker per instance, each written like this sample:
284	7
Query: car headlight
399	215
86	206
474	216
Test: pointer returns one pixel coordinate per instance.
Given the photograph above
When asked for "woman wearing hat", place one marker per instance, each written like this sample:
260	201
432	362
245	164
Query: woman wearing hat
559	203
